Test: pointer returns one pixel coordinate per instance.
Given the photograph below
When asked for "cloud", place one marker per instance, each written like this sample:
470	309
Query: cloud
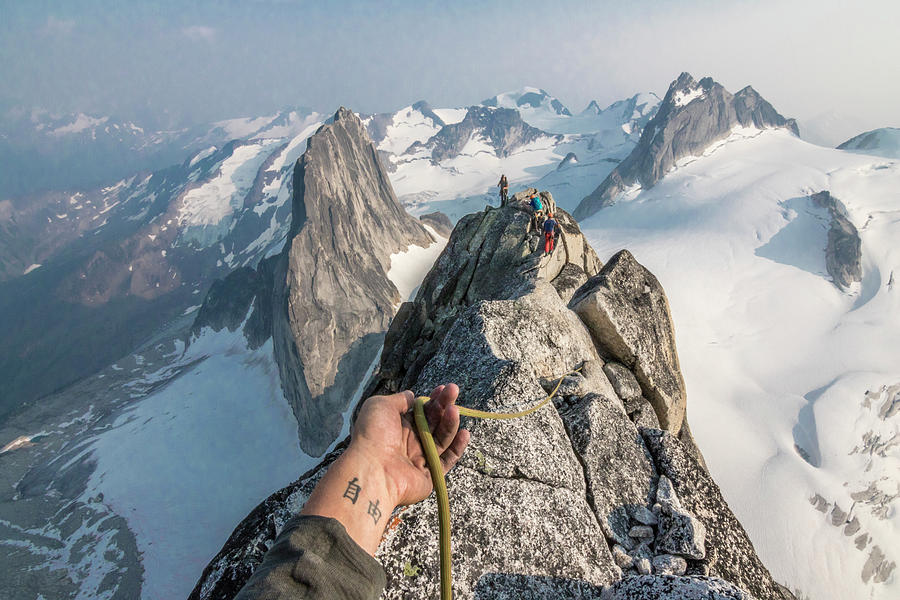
199	33
57	27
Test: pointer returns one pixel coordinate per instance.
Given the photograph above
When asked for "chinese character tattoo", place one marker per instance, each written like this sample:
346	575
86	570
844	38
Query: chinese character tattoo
352	491
374	511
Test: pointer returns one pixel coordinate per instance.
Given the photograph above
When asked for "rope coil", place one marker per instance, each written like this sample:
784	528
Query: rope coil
433	460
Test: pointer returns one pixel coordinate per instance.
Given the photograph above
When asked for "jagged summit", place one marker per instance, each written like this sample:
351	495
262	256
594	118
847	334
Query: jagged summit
326	299
501	129
692	115
585	498
592	109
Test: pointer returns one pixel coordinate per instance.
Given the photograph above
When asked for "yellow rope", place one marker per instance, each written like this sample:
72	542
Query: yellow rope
433	460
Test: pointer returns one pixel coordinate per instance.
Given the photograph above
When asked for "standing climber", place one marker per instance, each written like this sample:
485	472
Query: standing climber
504	190
550	233
538	208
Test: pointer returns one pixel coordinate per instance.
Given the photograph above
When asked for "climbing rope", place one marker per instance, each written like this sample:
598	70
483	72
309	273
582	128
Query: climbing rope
433	460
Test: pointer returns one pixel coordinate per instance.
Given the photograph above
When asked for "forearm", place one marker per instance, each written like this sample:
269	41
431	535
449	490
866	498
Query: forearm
355	491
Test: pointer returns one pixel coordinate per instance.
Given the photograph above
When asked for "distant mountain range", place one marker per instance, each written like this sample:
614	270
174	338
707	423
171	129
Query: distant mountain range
42	151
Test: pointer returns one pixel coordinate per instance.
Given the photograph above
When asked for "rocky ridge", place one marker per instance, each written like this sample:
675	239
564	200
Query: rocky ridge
692	115
590	497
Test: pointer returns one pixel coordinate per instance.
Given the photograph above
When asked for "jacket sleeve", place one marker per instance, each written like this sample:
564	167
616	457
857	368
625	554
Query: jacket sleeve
313	558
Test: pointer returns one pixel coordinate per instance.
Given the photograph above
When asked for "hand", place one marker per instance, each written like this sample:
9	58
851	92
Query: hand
384	465
385	434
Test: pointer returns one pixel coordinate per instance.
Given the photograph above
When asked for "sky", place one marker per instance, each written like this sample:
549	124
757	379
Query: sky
205	60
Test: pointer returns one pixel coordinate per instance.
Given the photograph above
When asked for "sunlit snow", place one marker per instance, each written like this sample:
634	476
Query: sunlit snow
774	354
212	204
188	462
409	267
682	98
408	126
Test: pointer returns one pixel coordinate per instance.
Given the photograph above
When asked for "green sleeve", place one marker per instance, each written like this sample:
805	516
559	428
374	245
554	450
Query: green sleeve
313	558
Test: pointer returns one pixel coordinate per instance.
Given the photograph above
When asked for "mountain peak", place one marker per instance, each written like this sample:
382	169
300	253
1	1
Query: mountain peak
329	300
501	128
684	81
592	109
693	115
528	98
879	142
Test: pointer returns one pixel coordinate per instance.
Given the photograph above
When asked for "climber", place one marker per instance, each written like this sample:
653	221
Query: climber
551	232
504	190
538	216
327	551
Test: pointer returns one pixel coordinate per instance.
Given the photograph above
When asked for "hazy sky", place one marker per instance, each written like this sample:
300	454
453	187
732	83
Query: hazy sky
207	59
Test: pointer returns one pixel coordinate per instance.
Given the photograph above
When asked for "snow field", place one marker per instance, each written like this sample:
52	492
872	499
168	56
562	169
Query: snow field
409	267
243	127
219	197
184	465
774	355
408	126
472	176
451	116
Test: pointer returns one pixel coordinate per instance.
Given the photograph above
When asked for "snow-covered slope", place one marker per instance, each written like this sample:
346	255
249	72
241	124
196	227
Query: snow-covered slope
118	263
395	132
467	180
199	442
534	104
86	150
879	142
792	384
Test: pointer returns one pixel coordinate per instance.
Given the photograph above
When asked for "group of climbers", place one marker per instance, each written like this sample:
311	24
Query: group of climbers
548	225
542	217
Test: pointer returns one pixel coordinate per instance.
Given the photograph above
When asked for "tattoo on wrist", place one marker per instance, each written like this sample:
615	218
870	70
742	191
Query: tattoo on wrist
374	511
352	494
352	491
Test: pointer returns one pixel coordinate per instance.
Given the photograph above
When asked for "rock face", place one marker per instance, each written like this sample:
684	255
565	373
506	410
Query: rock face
243	298
628	313
693	115
556	505
501	128
843	253
326	299
332	298
729	551
438	221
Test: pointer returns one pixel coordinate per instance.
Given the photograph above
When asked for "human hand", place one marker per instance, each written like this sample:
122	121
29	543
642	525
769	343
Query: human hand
385	434
384	465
